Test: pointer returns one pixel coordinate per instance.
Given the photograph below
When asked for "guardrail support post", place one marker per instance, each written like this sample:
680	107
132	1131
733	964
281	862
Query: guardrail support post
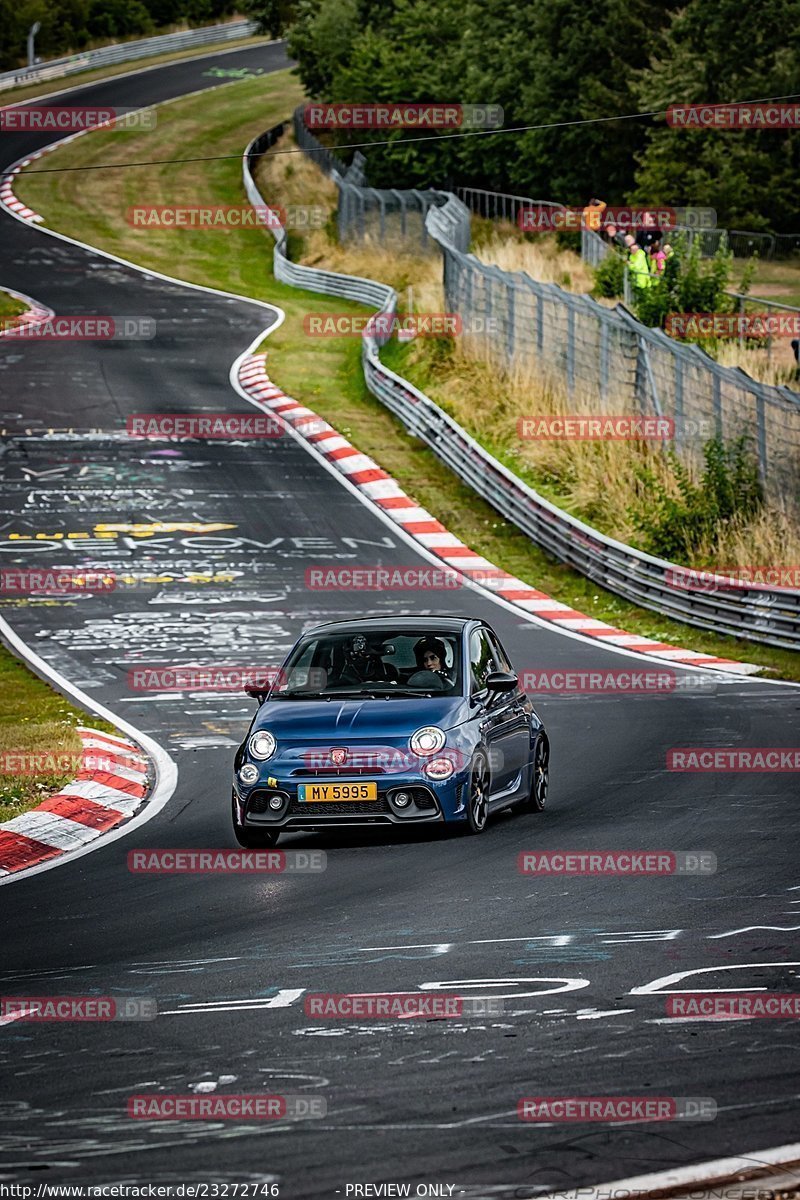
716	401
603	362
677	361
761	436
570	349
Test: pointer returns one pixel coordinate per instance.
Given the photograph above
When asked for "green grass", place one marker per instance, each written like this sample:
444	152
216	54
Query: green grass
34	719
322	373
45	88
10	307
773	280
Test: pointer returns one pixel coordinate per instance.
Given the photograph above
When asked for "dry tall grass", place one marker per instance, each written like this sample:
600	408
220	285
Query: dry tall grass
596	481
542	259
776	366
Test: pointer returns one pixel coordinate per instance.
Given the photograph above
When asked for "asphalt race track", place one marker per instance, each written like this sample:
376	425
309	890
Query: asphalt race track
228	957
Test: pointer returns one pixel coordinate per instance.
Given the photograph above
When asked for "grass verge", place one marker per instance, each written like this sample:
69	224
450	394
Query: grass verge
10	307
324	373
34	719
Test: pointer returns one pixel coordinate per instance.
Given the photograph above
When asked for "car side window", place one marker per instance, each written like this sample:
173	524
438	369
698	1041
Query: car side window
481	659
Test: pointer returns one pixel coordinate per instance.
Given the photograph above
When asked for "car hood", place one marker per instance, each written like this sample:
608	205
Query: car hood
312	720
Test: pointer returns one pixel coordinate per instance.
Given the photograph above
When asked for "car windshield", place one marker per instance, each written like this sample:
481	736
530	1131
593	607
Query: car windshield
372	663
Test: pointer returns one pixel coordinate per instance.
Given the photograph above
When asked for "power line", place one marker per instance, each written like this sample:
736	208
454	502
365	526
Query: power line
433	137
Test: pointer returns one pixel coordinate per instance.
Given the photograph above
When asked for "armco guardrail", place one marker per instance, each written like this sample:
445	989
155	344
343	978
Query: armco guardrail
104	56
761	614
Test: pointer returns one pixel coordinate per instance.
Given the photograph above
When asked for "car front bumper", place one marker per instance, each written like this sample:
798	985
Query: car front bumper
432	802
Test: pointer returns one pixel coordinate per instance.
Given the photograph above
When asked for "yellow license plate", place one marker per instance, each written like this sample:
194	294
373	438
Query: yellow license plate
321	793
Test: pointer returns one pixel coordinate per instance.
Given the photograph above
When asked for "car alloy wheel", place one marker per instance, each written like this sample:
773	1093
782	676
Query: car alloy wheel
541	775
478	802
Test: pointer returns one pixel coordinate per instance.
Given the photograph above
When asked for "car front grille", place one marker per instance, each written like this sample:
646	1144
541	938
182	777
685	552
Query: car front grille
335	772
356	808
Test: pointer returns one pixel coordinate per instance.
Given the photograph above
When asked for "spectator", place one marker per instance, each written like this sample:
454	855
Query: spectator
658	256
614	235
593	215
648	231
638	265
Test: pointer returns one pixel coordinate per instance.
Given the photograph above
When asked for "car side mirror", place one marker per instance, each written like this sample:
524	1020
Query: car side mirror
501	681
257	692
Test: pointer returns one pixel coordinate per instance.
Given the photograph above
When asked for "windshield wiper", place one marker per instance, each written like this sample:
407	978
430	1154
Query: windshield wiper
374	692
391	690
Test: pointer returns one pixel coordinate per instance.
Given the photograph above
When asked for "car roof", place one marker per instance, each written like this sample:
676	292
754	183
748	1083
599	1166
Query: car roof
444	624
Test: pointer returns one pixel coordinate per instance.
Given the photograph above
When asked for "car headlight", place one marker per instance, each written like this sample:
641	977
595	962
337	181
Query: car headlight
248	774
427	740
262	744
438	768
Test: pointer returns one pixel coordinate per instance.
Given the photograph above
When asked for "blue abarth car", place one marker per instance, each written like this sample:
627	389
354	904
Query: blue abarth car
389	721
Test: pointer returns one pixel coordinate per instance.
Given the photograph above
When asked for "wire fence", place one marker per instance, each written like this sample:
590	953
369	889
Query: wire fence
606	355
394	218
506	206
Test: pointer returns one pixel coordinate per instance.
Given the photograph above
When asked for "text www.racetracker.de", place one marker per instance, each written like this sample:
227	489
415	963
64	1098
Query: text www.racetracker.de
145	1191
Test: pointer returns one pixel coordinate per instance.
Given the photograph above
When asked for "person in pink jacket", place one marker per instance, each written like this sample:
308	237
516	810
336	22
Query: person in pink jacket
658	257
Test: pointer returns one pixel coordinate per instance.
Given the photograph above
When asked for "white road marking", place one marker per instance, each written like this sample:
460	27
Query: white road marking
660	986
753	928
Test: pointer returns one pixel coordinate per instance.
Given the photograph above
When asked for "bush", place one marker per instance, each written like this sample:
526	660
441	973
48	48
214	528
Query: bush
676	522
688	283
609	277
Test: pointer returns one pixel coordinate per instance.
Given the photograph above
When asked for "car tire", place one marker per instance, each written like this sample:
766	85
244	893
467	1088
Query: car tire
478	796
251	838
536	800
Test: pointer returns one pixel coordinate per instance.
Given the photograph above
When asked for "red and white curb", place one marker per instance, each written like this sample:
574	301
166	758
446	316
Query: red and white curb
7	197
384	492
9	200
35	313
82	811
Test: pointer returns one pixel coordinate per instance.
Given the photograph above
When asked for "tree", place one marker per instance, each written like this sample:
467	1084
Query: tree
541	62
710	53
581	64
118	19
274	16
321	39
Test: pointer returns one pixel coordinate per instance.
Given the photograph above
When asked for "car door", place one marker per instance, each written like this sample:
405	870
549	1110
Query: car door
521	754
500	717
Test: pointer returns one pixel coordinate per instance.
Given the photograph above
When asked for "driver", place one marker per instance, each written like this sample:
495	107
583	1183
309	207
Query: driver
431	672
361	665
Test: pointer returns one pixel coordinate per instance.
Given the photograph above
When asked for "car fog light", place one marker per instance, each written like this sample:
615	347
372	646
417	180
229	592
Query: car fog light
248	774
276	801
438	768
402	799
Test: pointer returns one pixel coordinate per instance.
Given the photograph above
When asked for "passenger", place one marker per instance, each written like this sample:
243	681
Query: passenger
431	672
